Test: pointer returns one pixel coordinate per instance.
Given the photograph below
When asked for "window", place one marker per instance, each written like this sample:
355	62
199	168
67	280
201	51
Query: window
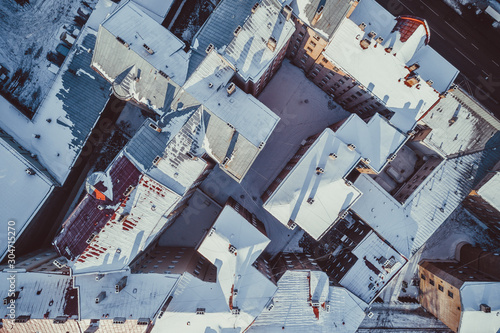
358	93
309	49
313	44
431	281
450	294
324	60
301	34
441	288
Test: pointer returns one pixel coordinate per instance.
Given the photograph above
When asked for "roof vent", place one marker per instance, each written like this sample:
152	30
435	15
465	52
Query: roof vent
100	207
333	156
60	319
271	43
485	308
147	48
237	30
30	171
351	147
414	67
372	34
100	297
210	85
121	284
156	128
162	73
362	26
310	201
291	225
231	88
365	43
287	12
254	8
122	41
319	170
143	321
209	48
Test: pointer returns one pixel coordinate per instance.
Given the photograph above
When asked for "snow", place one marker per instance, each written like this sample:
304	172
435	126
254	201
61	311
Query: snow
383	73
57	148
248	51
101	11
22	195
375	140
292	311
489	191
234	273
142	296
157	9
245	113
472	295
359	278
329	190
35	28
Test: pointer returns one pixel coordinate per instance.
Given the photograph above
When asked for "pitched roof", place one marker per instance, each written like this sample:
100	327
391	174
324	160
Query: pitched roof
368	277
329	190
142	296
383	73
292	311
22	194
333	13
131	38
459	124
41	295
67	115
248	50
240	286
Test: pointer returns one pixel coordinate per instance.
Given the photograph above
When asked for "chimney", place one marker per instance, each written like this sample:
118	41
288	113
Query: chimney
100	297
318	15
485	308
412	80
231	88
414	67
319	170
379	40
430	82
121	284
365	43
147	48
388	49
271	43
254	8
30	171
362	26
351	147
237	30
372	34
287	12
209	48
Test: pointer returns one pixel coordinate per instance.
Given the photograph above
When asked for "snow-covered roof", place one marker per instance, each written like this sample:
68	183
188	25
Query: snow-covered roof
368	277
102	9
329	190
333	13
248	51
236	126
245	113
142	296
232	245
157	9
22	194
408	226
459	124
472	295
40	295
489	191
292	310
375	140
66	116
384	73
145	61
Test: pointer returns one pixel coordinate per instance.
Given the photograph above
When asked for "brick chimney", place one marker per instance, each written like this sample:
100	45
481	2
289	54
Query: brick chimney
318	15
271	43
